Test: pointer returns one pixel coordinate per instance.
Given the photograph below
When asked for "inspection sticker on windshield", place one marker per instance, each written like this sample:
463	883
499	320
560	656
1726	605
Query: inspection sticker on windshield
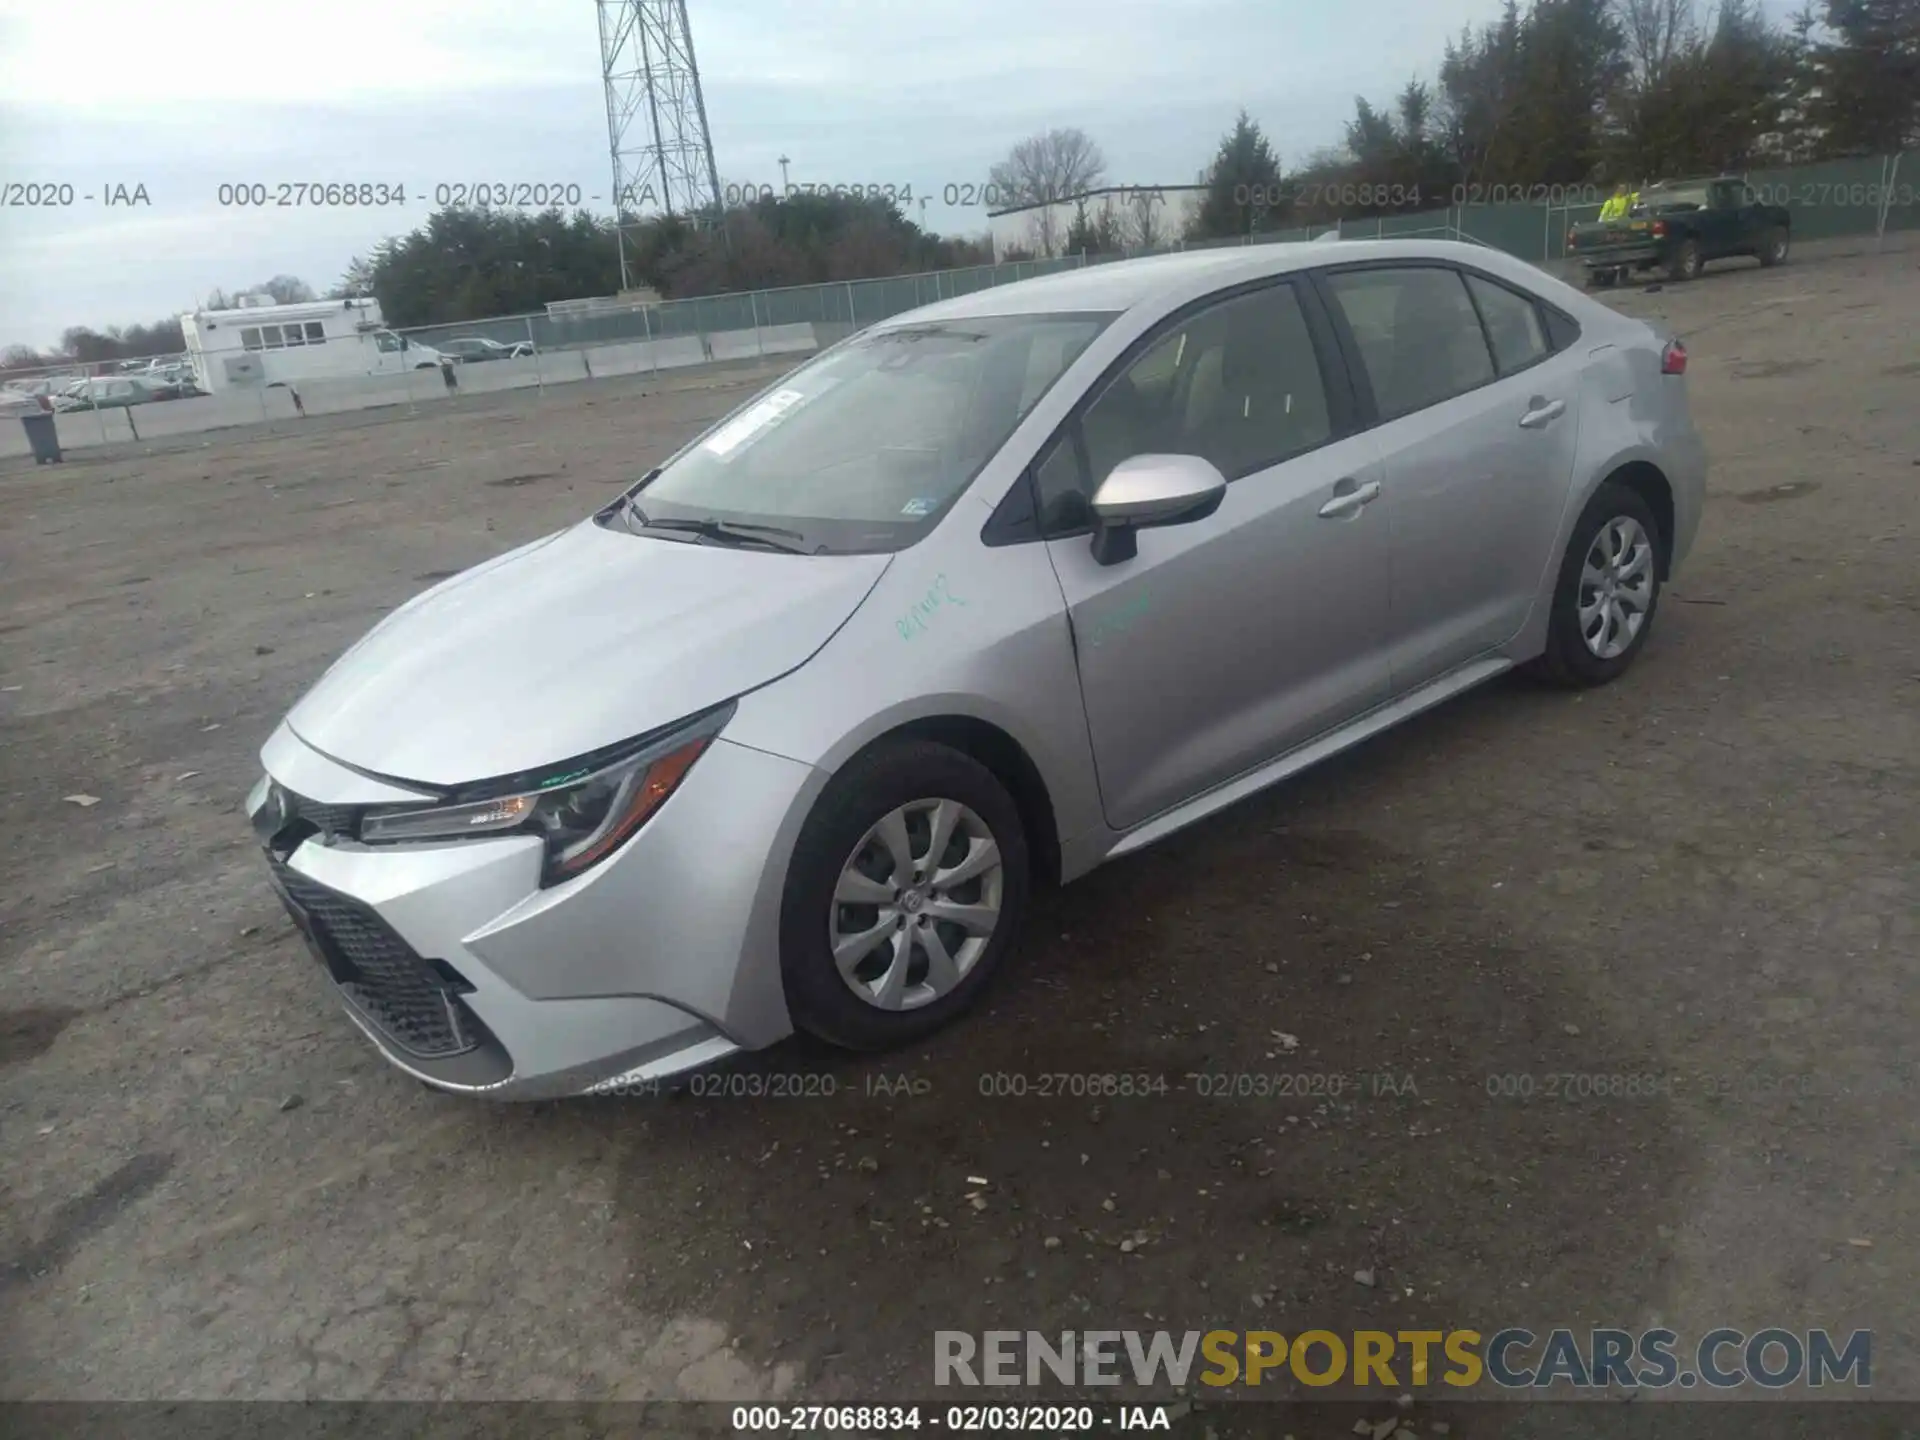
751	422
922	506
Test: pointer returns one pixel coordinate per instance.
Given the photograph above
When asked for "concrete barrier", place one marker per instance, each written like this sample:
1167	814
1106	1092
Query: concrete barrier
211	412
494	375
609	360
83	429
362	392
559	367
682	350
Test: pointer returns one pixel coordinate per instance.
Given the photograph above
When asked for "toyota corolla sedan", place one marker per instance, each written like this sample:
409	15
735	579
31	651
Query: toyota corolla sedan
977	599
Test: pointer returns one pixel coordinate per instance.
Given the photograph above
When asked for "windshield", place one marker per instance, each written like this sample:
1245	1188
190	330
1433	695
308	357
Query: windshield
866	447
1693	198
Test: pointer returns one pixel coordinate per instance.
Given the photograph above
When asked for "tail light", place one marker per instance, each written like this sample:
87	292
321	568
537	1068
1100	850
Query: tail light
1660	227
1673	359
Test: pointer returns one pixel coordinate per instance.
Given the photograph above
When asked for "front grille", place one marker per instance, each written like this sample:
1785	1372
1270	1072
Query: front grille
379	973
327	819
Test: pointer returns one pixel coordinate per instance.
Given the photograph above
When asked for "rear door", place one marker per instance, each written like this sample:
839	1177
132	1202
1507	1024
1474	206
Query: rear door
1477	417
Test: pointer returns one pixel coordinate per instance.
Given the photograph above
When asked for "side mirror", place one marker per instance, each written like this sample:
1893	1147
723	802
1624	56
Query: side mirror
1148	492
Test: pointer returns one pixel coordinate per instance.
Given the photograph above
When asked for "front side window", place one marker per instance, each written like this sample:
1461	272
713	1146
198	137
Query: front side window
1513	325
1419	337
388	342
864	448
1238	384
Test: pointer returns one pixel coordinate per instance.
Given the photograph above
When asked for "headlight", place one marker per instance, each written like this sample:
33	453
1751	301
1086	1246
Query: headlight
584	811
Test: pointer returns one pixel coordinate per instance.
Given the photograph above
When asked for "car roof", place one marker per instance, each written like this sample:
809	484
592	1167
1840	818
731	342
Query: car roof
1121	285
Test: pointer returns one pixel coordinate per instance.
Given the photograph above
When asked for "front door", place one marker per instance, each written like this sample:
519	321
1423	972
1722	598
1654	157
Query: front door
1228	641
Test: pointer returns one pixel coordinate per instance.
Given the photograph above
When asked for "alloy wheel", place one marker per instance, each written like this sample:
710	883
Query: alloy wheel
916	904
1616	587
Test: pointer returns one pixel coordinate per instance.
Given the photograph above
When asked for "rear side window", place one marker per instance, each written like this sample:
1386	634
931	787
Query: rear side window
1418	335
1513	325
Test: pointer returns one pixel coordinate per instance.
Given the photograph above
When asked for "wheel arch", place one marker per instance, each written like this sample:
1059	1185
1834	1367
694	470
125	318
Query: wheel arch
995	748
1650	483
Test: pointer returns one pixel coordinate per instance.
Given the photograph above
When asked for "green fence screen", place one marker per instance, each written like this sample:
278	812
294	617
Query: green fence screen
1829	200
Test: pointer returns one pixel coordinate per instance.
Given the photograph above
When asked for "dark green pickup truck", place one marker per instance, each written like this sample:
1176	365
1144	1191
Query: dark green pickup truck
1679	226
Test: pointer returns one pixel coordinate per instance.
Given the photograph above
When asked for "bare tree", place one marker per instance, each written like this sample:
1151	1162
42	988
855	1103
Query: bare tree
1045	168
1656	30
288	290
281	289
1145	227
1043	230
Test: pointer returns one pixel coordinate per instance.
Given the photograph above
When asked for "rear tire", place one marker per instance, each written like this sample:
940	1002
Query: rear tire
1597	629
1685	264
1603	279
850	879
1773	251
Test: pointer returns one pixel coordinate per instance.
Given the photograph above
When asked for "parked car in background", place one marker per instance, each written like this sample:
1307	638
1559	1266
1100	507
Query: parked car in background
106	392
43	384
987	595
1679	227
174	381
470	349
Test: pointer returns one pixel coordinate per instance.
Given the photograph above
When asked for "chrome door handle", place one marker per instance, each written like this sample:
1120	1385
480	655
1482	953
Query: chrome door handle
1543	413
1351	502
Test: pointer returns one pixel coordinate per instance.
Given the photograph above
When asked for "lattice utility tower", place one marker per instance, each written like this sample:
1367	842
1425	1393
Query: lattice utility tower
656	118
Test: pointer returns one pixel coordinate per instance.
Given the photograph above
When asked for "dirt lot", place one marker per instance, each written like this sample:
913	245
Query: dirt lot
213	1187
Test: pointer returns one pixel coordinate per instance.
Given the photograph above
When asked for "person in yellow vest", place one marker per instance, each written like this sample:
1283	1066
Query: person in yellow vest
1618	204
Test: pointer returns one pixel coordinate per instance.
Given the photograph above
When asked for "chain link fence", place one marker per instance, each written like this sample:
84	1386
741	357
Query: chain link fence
584	340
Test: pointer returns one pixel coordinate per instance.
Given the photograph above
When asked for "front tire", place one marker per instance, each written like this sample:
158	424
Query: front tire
1606	593
908	885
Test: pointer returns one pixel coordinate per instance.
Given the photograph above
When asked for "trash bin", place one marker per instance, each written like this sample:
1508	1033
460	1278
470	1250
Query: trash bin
43	437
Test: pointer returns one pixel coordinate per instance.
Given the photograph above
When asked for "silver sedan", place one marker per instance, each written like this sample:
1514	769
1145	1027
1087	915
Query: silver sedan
979	598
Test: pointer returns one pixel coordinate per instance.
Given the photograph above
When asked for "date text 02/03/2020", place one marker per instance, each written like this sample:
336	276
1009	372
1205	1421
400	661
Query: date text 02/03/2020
963	1419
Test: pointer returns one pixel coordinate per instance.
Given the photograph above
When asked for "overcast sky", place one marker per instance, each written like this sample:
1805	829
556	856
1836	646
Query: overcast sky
183	95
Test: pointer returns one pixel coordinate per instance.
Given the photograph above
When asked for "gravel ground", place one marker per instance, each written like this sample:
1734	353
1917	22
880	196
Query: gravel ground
211	1187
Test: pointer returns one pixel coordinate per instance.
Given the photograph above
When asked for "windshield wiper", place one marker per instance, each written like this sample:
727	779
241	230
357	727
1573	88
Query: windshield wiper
726	532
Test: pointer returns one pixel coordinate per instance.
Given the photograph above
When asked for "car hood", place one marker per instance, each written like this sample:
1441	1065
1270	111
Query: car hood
579	640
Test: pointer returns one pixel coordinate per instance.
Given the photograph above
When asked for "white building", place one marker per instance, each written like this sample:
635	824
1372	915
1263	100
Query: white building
262	344
1144	217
